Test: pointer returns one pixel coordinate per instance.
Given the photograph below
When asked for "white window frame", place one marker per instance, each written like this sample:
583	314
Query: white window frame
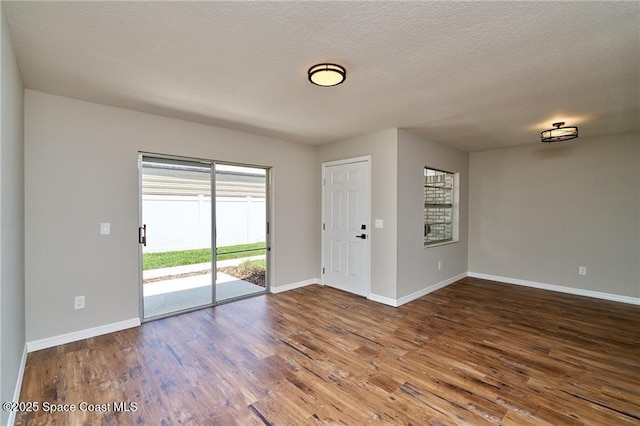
454	206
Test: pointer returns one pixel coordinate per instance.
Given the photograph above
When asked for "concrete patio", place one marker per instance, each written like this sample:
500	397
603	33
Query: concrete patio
173	295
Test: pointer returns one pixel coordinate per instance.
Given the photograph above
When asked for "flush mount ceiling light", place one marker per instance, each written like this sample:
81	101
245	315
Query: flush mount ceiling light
559	133
327	75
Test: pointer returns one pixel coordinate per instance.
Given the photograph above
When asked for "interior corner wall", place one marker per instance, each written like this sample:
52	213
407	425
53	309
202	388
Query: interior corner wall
382	147
539	212
82	169
417	265
12	306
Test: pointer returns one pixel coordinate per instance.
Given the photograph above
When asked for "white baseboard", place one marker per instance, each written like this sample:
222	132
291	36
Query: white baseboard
16	392
416	295
292	286
383	299
559	288
49	342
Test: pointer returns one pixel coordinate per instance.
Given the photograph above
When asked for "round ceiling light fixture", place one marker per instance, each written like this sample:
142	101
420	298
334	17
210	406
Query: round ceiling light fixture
327	75
559	133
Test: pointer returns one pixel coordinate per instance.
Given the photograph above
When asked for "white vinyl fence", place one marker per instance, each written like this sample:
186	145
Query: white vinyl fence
184	222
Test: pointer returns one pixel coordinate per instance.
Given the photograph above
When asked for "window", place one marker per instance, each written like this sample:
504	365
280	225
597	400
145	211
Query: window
440	207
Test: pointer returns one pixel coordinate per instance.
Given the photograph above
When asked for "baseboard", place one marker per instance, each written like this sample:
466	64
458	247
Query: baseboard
49	342
416	295
383	299
558	288
293	286
16	392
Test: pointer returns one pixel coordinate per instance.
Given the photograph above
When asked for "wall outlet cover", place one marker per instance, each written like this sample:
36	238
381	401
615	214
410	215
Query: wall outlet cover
78	302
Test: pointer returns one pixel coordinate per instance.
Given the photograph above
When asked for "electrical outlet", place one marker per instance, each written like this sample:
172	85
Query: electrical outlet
439	265
582	270
78	302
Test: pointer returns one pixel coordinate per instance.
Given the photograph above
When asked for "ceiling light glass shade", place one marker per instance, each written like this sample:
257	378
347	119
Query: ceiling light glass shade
327	75
559	133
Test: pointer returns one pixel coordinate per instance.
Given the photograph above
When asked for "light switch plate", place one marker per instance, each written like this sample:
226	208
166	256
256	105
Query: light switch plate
378	223
105	228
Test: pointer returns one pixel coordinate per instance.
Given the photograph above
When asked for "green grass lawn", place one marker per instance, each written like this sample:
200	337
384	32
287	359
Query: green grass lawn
189	257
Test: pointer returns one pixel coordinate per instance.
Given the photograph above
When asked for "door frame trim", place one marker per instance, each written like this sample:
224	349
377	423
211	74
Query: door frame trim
325	164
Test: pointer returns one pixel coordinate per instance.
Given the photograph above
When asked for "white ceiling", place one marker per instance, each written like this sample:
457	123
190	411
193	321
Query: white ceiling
472	75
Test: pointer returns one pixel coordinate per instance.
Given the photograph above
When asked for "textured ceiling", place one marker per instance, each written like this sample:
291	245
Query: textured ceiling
472	75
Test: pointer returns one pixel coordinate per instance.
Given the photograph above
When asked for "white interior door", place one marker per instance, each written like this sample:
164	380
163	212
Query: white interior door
346	227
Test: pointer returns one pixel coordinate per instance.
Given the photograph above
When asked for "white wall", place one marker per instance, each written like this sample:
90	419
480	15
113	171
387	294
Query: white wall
382	147
12	303
81	169
418	266
538	212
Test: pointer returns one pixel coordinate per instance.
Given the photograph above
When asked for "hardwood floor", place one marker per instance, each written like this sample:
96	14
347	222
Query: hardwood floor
475	352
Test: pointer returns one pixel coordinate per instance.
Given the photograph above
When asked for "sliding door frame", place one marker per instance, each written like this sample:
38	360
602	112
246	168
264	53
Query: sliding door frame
267	236
268	231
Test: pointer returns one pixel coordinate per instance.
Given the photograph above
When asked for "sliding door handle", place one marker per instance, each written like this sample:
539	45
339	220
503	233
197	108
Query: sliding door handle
142	235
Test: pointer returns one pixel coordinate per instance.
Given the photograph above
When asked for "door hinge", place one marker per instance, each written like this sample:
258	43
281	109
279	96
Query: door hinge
324	182
323	227
323	270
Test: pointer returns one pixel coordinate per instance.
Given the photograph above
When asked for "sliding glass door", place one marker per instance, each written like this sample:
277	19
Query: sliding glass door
241	234
203	234
176	236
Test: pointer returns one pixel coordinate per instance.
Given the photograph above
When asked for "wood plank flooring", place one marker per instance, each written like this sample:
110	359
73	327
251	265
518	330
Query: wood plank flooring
475	352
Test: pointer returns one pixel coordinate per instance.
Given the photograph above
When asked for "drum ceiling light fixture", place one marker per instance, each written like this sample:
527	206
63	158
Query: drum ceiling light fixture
327	75
559	133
